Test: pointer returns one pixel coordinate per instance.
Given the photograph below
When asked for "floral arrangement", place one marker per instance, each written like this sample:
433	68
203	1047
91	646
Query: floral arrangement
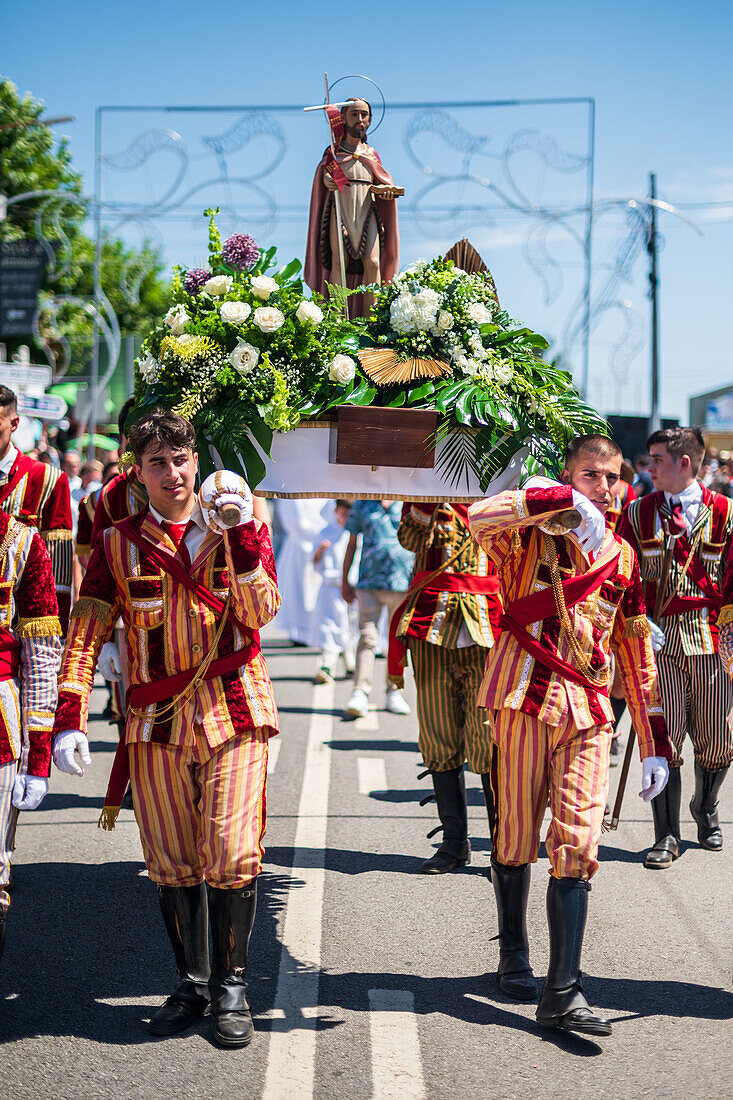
242	353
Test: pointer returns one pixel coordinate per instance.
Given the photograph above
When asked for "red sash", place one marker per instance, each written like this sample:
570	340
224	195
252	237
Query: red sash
9	655
444	582
541	605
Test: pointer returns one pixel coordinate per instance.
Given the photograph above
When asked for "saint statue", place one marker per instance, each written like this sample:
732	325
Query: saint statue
353	198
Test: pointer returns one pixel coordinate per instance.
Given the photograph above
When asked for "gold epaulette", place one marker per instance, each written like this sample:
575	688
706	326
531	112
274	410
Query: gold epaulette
725	615
59	535
43	627
637	627
86	607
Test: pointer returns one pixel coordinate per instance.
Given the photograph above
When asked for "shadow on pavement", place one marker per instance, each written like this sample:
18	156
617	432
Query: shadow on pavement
373	745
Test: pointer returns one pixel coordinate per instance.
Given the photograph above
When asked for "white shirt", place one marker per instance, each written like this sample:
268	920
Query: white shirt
6	463
195	535
691	501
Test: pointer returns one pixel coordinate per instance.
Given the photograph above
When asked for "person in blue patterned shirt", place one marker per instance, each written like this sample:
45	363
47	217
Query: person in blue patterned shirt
385	569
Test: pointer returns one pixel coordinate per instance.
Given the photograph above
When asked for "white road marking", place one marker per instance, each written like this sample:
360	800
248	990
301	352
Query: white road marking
147	1001
292	1052
396	1061
372	774
273	751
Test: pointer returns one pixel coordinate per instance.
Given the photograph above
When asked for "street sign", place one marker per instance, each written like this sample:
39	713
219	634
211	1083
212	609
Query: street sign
47	407
25	378
22	264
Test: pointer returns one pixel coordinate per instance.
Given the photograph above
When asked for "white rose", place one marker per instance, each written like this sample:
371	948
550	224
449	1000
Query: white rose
341	369
263	286
236	313
149	368
268	318
309	313
479	313
244	358
218	285
445	321
176	319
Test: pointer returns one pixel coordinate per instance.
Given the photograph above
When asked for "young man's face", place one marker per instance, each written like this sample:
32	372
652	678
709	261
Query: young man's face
595	476
667	473
169	475
8	423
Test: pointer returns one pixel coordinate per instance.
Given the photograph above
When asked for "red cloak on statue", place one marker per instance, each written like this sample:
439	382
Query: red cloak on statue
317	256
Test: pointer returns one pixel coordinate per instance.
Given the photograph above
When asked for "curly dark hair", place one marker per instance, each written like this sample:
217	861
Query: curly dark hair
161	428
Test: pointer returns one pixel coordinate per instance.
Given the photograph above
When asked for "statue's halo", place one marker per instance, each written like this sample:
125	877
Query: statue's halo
359	76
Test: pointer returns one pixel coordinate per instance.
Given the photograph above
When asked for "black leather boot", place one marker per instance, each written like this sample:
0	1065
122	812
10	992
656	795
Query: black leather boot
704	806
511	887
666	813
232	916
450	795
185	913
562	1004
3	926
489	799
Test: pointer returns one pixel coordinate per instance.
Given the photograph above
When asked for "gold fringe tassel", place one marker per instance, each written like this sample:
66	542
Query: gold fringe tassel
725	615
88	608
39	628
637	627
57	536
108	817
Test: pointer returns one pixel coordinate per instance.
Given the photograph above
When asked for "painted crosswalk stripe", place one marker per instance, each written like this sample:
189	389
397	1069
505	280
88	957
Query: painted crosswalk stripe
372	774
396	1060
292	1051
370	721
273	751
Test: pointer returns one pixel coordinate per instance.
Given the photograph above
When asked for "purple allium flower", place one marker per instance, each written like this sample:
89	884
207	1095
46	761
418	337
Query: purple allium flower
240	252
195	279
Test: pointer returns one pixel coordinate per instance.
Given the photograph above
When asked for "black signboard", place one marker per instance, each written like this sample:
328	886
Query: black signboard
22	264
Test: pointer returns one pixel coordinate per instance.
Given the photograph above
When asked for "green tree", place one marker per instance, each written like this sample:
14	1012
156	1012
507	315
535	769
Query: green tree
32	159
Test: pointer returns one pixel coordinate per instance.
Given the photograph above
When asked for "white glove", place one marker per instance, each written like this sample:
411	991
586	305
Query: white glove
654	776
109	662
658	636
592	529
224	487
29	791
65	745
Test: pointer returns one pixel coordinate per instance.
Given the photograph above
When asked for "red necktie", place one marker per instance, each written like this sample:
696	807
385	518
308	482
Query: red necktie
677	522
177	533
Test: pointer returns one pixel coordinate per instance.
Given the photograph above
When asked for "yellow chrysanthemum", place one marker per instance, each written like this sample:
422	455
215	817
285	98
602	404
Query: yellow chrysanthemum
193	347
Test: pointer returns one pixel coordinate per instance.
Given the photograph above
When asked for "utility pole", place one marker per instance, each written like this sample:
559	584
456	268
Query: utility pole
651	247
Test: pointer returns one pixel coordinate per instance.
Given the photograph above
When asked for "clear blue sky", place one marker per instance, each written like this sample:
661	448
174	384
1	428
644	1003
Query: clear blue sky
661	75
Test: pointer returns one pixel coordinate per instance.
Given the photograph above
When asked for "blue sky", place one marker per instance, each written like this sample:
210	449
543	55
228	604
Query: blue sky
661	76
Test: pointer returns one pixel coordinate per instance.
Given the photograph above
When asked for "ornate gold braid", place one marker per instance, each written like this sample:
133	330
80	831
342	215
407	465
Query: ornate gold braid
582	660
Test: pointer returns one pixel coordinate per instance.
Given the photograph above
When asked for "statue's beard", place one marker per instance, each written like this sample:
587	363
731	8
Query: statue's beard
358	132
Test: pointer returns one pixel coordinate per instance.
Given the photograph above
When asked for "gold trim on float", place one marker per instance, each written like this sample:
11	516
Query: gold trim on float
337	494
385	368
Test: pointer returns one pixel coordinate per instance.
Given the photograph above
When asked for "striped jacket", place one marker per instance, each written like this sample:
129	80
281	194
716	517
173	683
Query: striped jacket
39	496
170	630
121	497
693	632
434	533
610	620
30	648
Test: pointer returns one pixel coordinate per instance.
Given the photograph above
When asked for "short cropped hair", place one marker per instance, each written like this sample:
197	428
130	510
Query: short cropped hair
161	428
124	413
599	445
343	504
8	400
679	442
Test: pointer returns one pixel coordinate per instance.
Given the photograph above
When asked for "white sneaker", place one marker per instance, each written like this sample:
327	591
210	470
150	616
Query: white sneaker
396	703
358	704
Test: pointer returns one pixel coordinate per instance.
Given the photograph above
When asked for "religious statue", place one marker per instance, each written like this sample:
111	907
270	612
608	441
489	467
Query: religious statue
352	228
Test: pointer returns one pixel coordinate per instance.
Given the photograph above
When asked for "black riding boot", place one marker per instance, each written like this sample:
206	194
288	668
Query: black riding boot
704	806
489	799
511	887
232	916
3	926
666	813
186	919
450	795
562	1004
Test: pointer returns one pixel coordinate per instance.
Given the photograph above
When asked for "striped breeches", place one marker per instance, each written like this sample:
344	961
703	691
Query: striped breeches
8	819
534	762
453	729
697	697
201	813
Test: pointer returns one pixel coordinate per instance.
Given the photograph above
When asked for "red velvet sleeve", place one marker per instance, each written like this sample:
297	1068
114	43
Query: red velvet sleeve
35	597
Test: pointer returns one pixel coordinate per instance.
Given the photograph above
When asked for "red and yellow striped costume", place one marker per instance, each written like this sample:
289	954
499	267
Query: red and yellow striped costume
38	495
211	752
551	734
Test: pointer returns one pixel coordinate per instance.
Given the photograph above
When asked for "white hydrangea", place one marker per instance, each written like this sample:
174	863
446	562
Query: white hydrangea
149	369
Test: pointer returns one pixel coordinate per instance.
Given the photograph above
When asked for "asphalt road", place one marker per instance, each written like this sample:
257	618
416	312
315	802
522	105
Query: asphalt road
366	978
